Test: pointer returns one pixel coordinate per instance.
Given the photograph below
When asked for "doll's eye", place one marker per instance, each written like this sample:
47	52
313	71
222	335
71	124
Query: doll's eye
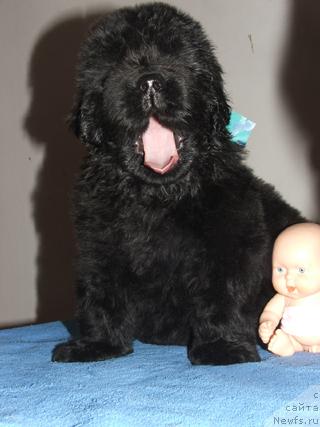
301	270
280	270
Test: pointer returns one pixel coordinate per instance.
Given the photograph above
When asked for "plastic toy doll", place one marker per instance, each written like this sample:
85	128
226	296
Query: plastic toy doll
296	278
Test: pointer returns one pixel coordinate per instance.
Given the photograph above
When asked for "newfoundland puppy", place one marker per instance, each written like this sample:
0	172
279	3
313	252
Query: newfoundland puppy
175	233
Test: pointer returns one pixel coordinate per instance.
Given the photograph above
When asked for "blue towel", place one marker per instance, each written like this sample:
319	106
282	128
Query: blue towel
154	386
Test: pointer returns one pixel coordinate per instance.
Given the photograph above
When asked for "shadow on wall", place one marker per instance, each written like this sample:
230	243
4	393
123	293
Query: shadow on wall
51	79
300	78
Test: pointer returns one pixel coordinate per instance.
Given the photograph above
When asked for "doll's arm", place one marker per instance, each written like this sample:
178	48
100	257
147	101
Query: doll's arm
271	316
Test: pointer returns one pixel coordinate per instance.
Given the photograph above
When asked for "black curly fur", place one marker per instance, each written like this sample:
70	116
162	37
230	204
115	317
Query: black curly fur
181	258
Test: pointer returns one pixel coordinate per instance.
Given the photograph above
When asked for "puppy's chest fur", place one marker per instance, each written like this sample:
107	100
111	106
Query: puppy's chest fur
160	242
178	246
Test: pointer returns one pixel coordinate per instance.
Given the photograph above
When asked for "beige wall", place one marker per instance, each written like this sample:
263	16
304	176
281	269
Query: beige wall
274	80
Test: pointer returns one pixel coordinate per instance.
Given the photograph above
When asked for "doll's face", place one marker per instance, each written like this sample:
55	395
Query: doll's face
296	261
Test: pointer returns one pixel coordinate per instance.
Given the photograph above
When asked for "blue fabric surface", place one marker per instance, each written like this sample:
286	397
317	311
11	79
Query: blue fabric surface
154	386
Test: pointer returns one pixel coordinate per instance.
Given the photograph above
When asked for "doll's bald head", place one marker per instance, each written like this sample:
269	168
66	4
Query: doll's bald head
296	260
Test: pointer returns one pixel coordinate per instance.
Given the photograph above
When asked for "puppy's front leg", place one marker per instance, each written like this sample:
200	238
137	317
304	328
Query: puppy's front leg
105	323
222	335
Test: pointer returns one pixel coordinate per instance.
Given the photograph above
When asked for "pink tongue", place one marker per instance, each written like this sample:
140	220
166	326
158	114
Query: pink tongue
160	153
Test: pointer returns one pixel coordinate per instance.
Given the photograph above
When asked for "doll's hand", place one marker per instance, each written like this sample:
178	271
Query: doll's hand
266	330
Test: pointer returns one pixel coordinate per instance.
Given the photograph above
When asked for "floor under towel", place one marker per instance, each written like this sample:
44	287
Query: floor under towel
154	386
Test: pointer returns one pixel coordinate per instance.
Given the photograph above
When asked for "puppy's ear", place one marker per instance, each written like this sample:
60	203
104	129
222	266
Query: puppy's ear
85	119
73	119
219	107
220	112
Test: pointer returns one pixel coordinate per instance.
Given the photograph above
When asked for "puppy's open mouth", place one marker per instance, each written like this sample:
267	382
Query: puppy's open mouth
160	147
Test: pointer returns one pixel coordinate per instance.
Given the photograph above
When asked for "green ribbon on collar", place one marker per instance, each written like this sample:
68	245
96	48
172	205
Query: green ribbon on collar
240	128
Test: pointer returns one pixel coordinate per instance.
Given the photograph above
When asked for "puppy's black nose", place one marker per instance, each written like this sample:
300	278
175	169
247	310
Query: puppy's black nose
152	82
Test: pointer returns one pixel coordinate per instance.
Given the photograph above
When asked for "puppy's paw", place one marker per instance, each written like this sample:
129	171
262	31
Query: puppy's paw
84	350
222	352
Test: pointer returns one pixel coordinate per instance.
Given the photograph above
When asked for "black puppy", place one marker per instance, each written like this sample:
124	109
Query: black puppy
175	233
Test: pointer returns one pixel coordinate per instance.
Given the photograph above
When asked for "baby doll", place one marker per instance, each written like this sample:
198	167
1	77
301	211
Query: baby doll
296	278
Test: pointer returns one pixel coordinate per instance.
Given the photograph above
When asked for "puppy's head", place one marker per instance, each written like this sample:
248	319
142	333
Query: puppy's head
150	93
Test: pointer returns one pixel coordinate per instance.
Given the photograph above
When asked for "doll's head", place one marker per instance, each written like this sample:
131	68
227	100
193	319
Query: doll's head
296	261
